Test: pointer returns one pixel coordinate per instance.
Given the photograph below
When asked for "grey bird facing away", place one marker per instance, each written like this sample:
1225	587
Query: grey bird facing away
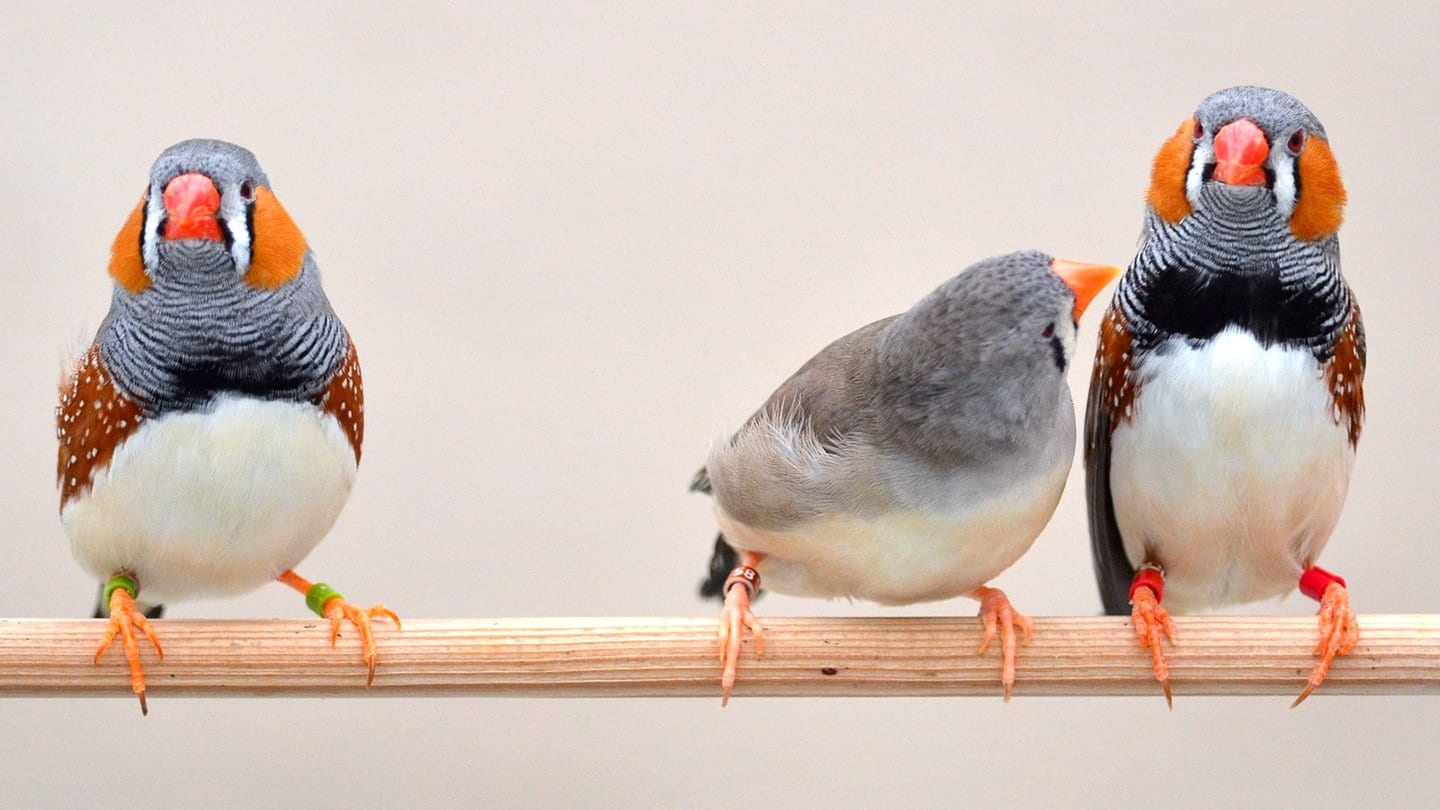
913	459
1226	400
211	433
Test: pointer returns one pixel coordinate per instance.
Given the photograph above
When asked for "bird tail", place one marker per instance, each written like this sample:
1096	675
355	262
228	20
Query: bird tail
722	562
102	610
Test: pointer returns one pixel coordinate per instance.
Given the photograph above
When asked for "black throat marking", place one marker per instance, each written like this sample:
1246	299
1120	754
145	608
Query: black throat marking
1236	267
1199	304
1059	349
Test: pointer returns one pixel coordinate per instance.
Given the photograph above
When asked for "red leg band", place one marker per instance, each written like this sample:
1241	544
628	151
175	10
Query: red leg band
1151	576
1315	580
745	576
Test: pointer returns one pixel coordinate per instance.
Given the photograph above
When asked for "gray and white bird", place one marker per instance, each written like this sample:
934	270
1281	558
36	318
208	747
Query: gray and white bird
211	434
913	459
1227	399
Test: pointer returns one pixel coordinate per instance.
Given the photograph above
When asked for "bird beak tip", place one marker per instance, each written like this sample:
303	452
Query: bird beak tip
1085	280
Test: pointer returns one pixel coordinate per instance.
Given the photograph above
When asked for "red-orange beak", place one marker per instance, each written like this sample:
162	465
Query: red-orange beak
1240	152
190	205
1086	280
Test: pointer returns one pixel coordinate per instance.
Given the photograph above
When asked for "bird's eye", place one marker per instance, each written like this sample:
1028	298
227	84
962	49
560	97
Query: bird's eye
1297	140
1199	131
247	191
1049	331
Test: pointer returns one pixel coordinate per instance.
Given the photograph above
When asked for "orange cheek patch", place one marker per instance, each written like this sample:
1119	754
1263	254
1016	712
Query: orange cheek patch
127	266
1321	202
277	247
1167	178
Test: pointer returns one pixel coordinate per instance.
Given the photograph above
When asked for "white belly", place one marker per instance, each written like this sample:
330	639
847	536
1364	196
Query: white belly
1233	470
213	503
907	556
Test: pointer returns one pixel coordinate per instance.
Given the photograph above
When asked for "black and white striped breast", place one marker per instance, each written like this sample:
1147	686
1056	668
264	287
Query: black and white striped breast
194	335
1241	268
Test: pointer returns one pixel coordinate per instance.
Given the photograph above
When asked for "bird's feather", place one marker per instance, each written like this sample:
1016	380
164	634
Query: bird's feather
1109	382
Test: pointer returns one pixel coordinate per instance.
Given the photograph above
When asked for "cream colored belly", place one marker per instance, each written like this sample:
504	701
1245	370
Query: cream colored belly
1233	472
214	503
904	557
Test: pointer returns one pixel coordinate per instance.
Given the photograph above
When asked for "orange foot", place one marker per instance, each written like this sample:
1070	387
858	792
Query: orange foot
124	618
338	610
1151	620
1339	633
734	618
997	613
328	603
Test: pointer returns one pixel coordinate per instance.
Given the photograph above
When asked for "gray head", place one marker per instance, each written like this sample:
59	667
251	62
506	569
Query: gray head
1275	112
208	208
216	290
981	360
1249	153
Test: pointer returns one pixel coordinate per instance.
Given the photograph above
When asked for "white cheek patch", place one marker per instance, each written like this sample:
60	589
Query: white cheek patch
1067	336
150	240
1283	164
232	213
1203	155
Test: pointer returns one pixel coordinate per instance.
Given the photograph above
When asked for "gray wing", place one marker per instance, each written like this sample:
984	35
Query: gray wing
831	391
769	472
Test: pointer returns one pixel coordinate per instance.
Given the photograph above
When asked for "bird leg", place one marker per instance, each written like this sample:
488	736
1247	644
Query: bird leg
1152	621
997	613
1339	632
120	592
740	589
329	604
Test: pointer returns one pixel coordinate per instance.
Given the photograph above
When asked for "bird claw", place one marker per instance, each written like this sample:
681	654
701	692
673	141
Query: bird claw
1339	633
124	619
339	610
734	619
1000	616
1153	625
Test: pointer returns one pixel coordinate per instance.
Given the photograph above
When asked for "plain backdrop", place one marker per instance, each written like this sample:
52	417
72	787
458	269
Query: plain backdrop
576	244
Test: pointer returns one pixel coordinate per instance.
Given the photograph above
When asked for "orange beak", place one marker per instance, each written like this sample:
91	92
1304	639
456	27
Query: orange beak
1240	152
1086	280
190	205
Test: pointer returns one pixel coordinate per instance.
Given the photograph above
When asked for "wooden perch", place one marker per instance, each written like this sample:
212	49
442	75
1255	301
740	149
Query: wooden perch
671	657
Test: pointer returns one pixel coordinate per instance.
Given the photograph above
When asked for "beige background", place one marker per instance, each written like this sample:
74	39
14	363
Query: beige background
574	246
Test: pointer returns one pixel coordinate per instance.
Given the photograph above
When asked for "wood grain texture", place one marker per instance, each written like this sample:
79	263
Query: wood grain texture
677	657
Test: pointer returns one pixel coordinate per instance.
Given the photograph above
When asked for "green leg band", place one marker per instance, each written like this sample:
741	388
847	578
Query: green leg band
317	596
128	583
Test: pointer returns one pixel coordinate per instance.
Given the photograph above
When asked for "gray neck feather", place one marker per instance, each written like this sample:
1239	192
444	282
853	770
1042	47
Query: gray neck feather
1235	244
200	331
